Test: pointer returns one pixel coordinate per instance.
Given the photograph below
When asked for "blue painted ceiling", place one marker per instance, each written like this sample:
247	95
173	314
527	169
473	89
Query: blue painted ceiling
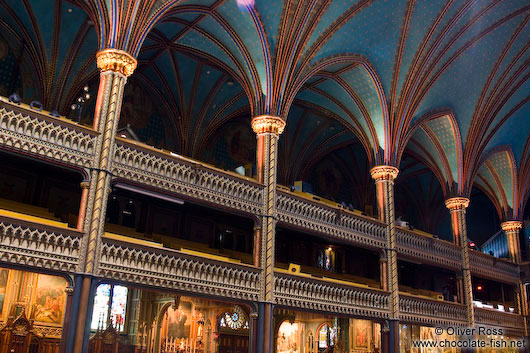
445	83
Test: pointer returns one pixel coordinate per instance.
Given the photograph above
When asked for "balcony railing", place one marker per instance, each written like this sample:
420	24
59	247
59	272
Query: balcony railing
428	249
512	324
171	269
314	294
493	268
142	164
40	135
304	214
430	312
36	133
38	245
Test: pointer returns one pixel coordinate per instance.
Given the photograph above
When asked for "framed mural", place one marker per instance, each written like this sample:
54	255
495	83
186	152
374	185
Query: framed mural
362	330
49	300
4	276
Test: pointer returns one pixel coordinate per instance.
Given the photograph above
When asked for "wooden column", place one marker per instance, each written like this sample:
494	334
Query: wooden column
268	130
68	316
115	66
85	185
512	230
457	208
384	176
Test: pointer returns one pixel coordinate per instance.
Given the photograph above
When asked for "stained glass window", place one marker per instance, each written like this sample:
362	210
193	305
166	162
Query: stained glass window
323	337
119	303
235	319
109	300
101	306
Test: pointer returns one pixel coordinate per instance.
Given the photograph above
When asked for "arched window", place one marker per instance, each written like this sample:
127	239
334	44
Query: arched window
110	301
235	319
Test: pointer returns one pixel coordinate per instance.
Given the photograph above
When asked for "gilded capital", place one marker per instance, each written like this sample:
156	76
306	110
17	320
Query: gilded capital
116	60
457	203
266	124
384	172
511	226
85	184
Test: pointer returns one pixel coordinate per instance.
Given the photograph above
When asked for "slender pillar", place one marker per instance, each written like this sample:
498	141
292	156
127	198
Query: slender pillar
383	263
268	130
253	332
512	229
457	207
257	246
115	66
384	182
67	318
85	185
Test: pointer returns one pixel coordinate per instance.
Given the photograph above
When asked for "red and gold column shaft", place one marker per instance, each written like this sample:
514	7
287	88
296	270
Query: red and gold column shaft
115	66
384	182
85	185
268	130
512	230
457	208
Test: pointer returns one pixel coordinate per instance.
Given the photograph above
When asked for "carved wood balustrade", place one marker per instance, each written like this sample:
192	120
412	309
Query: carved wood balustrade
187	178
39	245
314	294
29	131
430	250
170	269
493	268
307	215
58	140
512	324
430	312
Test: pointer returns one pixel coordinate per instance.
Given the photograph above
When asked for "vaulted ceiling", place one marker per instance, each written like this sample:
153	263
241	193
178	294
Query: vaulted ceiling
443	82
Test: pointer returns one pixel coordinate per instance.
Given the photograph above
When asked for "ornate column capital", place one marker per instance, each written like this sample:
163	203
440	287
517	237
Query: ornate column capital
116	60
69	290
84	184
384	172
511	226
457	203
267	124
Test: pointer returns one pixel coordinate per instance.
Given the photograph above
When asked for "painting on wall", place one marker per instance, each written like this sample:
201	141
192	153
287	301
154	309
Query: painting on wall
361	334
178	321
4	274
49	300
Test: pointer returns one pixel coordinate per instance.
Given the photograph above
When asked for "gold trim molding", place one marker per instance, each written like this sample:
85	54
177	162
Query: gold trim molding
457	203
267	124
384	172
511	226
116	60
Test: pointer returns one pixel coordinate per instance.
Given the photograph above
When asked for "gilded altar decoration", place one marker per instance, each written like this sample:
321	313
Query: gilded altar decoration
117	61
289	338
